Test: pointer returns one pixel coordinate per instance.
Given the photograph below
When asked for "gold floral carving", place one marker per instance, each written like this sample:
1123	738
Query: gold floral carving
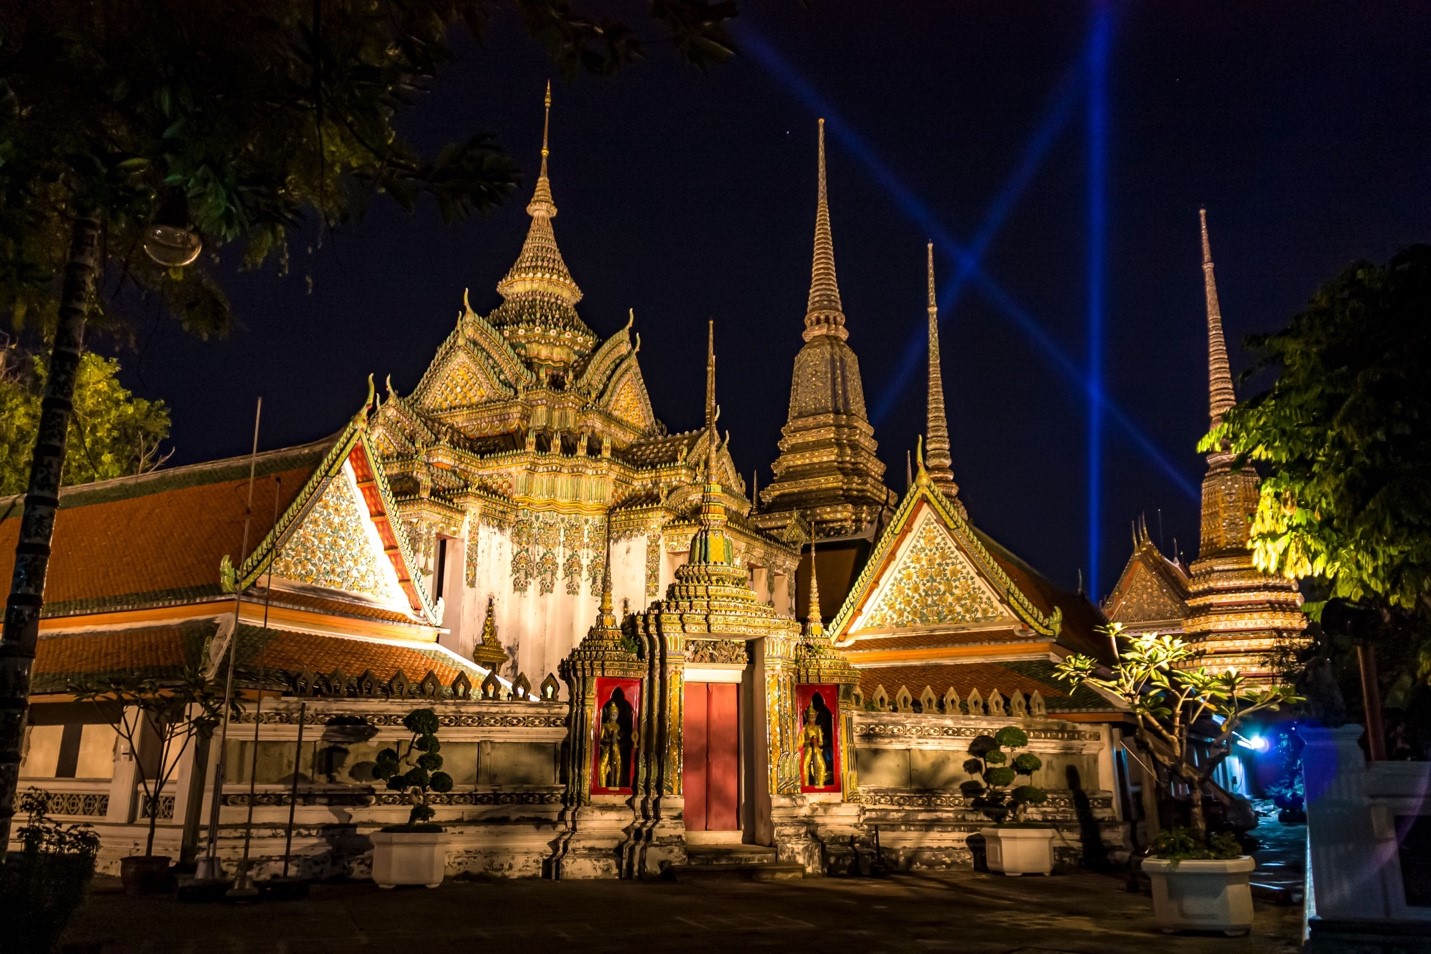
330	548
716	651
932	583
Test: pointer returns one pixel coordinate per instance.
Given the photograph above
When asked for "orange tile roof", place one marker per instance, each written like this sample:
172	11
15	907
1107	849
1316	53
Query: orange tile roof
267	656
158	538
156	652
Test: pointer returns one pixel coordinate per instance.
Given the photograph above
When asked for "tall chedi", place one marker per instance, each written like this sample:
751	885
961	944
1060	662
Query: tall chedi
827	467
538	311
938	462
1238	615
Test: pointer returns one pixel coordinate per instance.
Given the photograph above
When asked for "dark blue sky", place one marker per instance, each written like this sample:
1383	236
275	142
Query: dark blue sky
1305	128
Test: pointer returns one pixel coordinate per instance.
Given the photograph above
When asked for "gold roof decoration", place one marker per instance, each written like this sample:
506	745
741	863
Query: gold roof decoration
827	466
983	579
488	653
538	312
1239	615
1151	592
937	450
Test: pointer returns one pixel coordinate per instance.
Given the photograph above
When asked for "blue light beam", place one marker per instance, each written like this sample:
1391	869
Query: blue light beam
1097	248
904	199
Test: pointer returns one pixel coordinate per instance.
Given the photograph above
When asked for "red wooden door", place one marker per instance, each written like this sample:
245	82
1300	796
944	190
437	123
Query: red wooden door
712	756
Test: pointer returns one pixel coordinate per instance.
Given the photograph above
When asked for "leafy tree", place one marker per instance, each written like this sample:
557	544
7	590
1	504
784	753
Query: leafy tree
170	712
146	126
112	433
1176	707
1344	434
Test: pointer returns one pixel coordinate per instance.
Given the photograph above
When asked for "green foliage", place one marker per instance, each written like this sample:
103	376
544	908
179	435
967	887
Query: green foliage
1186	844
253	117
44	883
1176	704
992	789
422	774
1344	435
112	433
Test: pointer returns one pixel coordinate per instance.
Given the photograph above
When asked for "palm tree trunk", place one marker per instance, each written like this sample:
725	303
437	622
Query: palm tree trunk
42	497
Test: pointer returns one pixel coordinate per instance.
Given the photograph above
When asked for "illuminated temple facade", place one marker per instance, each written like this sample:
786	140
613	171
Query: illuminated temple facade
630	679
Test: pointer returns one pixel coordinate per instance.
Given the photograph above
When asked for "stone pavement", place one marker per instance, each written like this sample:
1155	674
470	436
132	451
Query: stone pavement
966	911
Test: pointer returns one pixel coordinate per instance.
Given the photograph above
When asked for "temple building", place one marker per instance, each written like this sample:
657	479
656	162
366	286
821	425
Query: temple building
526	434
627	679
1237	615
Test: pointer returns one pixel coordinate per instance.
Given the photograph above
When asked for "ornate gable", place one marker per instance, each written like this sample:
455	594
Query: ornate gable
626	396
929	570
1150	590
930	582
335	547
459	379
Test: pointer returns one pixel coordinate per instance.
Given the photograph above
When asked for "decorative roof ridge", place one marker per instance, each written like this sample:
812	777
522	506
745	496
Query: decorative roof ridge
984	562
102	488
604	360
824	315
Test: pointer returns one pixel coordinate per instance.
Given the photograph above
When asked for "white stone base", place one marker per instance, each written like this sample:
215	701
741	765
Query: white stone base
1202	895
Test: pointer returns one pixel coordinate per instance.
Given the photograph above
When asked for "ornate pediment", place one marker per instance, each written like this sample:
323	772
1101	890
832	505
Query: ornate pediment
336	547
1148	592
931	583
626	398
459	379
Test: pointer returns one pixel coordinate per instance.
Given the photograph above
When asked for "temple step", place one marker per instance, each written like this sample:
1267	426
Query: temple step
735	862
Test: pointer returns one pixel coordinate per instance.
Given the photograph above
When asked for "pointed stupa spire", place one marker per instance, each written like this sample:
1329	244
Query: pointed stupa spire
1221	397
937	455
489	652
814	624
538	291
710	546
824	314
607	626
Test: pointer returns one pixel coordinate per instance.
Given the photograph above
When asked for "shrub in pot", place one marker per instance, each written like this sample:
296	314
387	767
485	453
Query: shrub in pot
1013	846
1186	721
43	884
413	852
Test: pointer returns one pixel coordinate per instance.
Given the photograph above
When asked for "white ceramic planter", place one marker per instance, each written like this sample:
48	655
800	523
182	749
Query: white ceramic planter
1202	895
403	857
1018	851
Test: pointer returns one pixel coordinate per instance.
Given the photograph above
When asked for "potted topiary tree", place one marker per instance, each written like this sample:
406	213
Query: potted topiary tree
1013	846
156	719
1186	719
414	852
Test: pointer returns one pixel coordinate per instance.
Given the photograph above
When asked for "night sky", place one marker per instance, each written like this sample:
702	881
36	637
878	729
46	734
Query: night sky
1304	127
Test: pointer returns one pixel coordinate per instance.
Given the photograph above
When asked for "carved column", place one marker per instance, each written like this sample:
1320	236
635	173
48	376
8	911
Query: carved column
657	840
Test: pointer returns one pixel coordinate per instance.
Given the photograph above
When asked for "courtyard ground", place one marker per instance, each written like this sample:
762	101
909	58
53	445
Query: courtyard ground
946	911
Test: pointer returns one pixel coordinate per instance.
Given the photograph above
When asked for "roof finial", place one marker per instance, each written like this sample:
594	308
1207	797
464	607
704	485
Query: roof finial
1221	396
712	411
814	624
710	545
921	476
941	470
606	604
824	314
546	127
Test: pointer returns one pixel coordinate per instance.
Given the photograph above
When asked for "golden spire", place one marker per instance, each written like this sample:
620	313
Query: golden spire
488	651
539	268
710	545
1220	394
814	625
941	470
606	627
824	314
